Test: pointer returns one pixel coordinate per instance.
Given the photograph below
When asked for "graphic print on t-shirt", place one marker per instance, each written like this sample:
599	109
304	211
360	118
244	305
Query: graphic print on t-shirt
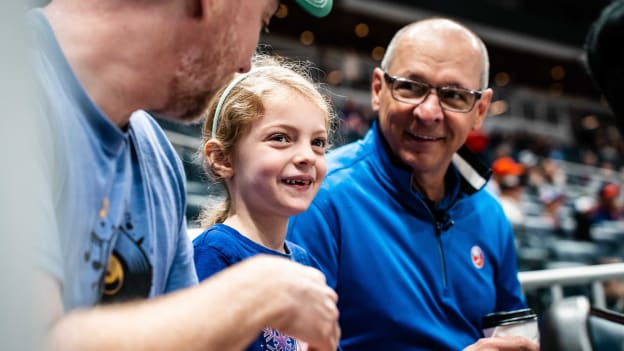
95	257
129	271
273	340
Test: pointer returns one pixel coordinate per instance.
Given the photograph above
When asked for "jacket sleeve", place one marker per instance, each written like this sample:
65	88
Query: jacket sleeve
317	231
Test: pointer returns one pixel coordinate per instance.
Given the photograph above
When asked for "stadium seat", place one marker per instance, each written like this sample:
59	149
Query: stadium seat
571	324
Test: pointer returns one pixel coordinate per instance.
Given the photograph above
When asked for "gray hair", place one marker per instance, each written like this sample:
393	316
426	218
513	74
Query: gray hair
485	59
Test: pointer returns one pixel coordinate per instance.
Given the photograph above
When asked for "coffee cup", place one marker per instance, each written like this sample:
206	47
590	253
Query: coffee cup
519	322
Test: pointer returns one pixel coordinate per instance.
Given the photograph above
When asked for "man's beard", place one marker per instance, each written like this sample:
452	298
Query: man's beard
193	85
186	106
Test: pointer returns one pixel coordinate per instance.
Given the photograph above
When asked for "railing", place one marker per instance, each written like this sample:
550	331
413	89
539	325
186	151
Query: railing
559	277
554	279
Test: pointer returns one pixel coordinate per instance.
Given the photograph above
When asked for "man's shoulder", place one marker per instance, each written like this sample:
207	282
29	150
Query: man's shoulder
145	126
151	138
348	169
161	165
299	254
488	198
483	201
347	159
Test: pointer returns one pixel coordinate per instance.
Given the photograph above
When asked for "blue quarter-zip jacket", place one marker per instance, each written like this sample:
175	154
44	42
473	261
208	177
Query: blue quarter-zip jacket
409	276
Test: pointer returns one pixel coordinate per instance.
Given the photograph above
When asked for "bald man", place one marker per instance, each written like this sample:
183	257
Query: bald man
402	227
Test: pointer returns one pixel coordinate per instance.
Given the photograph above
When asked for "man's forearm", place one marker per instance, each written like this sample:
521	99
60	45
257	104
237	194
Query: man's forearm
222	313
225	312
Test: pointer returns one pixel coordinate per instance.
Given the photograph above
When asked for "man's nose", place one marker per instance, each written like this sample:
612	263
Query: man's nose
429	109
245	68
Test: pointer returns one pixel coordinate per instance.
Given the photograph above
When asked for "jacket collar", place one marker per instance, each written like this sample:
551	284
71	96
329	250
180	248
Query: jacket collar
472	172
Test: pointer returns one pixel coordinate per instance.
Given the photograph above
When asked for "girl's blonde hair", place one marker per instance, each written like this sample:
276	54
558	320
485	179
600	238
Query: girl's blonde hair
244	104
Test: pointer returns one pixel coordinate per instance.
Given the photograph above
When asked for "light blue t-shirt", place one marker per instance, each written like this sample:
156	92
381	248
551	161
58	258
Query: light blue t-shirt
116	199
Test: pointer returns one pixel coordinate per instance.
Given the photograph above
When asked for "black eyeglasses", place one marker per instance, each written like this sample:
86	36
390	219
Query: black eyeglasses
414	92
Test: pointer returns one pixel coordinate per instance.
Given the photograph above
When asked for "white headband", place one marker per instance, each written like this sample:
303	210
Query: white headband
226	92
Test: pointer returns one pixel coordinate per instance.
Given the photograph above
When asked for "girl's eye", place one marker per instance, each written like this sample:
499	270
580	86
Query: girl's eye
279	138
320	142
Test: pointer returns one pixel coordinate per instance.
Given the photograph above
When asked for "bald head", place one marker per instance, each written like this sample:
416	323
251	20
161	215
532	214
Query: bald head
434	29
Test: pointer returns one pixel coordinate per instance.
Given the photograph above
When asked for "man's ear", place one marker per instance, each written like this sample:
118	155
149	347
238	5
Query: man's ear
218	160
376	85
482	107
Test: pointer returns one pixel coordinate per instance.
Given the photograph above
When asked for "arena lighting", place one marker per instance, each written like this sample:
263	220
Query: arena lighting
498	107
590	122
407	14
378	53
307	38
556	89
334	77
361	30
501	79
282	11
557	72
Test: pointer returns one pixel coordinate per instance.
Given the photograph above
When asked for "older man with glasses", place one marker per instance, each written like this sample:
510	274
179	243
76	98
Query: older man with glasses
402	228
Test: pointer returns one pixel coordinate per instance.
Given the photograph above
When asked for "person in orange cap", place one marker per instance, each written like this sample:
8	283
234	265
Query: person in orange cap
507	175
609	206
504	170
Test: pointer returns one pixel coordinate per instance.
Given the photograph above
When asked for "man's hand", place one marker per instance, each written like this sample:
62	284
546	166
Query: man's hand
306	305
224	312
504	343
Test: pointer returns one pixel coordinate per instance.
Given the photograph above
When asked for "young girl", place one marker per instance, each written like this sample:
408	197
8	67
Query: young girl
265	139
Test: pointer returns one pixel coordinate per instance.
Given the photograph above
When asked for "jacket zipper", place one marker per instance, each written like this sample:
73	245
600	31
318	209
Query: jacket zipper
439	227
438	232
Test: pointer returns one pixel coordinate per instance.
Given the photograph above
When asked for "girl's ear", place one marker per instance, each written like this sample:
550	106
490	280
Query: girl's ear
218	161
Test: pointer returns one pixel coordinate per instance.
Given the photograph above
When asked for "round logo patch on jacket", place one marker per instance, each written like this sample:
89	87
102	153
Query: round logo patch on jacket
476	255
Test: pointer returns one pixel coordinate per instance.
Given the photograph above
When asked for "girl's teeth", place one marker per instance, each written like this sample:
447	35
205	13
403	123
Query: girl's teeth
297	182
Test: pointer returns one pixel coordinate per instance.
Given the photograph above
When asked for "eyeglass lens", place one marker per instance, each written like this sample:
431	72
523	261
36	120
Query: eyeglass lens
450	98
